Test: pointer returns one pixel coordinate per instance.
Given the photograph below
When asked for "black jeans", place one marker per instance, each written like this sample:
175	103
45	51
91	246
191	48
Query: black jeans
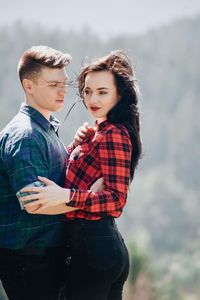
33	274
99	260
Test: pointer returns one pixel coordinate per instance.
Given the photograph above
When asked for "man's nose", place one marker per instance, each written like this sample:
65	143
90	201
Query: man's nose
62	91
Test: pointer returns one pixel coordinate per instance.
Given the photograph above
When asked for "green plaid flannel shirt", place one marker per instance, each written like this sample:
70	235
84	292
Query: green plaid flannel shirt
29	146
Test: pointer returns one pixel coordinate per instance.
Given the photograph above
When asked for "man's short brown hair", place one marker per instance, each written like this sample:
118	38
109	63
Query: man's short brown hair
33	59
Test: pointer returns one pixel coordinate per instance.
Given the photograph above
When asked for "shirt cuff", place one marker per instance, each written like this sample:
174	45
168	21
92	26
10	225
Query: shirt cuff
78	198
72	194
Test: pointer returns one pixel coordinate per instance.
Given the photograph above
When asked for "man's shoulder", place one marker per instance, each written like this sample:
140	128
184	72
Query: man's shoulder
23	124
21	127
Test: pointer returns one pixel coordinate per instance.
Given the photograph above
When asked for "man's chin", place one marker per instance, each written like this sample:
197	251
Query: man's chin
57	109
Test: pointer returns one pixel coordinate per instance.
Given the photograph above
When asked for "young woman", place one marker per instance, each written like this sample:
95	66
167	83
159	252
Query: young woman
99	259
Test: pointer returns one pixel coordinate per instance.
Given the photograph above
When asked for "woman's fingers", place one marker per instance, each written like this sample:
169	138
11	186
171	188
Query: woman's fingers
30	189
37	189
86	124
82	133
45	180
30	197
36	202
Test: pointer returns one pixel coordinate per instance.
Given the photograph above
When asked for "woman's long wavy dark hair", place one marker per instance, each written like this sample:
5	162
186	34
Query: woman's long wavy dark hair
126	110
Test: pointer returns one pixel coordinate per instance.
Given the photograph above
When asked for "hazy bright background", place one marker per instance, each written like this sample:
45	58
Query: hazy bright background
105	17
161	221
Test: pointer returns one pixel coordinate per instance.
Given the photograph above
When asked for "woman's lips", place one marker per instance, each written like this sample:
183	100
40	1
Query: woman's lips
94	108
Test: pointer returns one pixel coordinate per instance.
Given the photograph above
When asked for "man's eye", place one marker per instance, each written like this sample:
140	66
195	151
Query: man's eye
53	84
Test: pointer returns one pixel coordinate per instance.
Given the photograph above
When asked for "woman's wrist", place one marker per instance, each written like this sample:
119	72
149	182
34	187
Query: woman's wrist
67	195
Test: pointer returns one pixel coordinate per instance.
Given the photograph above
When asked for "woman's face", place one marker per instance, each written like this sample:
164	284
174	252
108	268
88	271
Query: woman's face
100	94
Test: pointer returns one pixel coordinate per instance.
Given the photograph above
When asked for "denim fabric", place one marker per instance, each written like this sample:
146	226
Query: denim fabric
99	260
33	275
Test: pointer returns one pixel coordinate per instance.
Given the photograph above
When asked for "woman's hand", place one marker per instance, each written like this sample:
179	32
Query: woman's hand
82	133
49	196
33	209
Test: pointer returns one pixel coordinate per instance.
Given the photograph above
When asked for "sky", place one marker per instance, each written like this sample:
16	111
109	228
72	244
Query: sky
105	17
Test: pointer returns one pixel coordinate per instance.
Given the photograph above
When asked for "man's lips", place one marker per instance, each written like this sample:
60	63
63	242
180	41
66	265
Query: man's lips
94	108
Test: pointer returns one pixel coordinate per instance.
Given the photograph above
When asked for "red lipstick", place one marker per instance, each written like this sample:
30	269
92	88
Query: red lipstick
94	108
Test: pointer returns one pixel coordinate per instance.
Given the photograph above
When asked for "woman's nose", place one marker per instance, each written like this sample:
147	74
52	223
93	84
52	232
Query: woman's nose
93	99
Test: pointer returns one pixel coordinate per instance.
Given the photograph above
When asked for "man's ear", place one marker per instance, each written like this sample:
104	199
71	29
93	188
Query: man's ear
27	85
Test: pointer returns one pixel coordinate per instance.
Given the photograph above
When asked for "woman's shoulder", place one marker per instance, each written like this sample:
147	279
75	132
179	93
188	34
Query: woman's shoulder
117	129
111	133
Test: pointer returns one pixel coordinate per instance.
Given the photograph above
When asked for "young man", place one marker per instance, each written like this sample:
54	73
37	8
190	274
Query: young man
32	247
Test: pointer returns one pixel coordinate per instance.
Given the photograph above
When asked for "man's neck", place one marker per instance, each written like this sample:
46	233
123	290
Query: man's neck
44	112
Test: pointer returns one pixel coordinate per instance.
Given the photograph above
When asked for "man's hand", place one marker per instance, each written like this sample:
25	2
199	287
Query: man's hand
98	185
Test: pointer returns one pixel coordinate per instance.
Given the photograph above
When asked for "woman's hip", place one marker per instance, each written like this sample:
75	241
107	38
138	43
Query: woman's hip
97	244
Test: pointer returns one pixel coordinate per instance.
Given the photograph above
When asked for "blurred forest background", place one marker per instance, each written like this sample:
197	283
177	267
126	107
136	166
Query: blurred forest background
161	222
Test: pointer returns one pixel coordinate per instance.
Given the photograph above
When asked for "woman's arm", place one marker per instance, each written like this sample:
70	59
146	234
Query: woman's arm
48	196
59	209
51	197
115	159
115	150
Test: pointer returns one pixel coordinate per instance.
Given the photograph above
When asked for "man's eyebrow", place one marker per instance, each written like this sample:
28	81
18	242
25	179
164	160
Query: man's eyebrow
57	81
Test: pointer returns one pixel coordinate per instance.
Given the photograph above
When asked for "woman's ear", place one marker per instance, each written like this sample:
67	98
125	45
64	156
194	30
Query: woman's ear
119	97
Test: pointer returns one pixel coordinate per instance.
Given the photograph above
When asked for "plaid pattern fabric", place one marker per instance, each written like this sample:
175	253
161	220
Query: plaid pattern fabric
29	146
107	155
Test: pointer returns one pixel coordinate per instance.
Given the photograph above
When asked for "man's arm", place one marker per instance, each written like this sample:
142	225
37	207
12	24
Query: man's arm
24	160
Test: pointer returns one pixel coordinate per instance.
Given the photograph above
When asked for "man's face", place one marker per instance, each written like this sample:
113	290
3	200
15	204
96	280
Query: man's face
49	89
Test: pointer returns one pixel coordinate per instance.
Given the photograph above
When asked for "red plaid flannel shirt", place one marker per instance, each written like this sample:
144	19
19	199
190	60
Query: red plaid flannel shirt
106	154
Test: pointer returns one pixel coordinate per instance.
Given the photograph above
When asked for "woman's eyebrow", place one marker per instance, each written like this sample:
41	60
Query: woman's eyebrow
102	88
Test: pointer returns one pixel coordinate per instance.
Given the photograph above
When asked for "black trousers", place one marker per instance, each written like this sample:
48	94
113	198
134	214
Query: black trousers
99	260
33	274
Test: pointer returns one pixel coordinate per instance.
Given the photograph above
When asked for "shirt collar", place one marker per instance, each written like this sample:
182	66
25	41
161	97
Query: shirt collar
101	126
39	118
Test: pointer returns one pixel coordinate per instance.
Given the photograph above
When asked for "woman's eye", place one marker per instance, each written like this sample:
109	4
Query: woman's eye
102	93
86	92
